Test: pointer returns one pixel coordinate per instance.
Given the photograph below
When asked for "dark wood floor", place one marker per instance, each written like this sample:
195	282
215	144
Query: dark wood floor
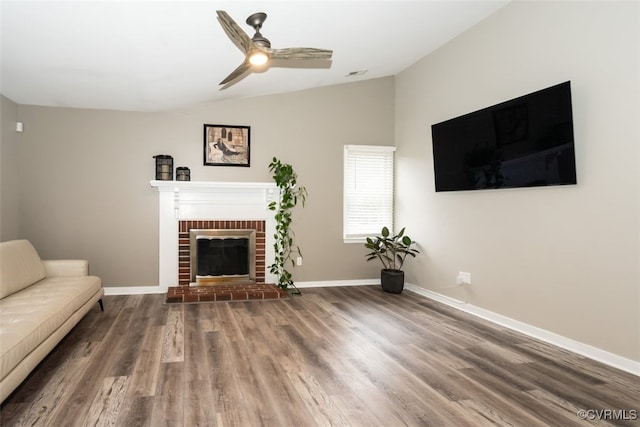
351	356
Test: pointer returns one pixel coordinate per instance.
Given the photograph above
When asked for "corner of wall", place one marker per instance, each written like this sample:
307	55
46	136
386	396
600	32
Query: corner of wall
9	182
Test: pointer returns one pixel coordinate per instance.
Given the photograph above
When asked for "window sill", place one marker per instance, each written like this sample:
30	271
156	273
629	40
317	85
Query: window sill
360	240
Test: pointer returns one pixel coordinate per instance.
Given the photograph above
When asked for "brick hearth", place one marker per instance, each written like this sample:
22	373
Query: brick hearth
235	292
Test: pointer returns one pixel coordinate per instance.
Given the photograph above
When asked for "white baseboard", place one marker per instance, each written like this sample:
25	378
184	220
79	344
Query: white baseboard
133	290
138	290
582	349
330	283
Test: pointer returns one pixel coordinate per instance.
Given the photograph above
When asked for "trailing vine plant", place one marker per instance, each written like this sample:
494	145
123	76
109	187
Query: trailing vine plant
286	179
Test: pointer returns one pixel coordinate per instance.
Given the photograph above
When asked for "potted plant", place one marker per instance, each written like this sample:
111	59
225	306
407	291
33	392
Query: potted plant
392	252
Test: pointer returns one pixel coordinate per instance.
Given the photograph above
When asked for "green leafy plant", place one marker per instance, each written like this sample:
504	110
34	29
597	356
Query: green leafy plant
390	250
290	193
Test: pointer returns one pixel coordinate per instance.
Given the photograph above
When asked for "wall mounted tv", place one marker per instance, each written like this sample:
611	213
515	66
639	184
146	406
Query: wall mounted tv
524	142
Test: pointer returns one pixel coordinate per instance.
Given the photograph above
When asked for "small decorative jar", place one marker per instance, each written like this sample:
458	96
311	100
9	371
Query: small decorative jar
183	174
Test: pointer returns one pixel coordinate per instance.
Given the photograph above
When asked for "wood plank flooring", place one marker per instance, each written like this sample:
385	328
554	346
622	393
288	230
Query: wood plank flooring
343	356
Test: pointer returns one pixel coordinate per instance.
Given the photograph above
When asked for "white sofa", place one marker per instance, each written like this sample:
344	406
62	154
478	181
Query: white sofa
40	302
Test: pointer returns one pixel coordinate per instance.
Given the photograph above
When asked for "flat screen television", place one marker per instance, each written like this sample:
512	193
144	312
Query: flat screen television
524	142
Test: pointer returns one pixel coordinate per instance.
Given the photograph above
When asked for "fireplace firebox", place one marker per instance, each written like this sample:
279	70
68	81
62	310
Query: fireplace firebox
222	256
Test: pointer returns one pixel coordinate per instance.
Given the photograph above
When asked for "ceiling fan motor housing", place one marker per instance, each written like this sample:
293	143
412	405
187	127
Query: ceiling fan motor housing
255	20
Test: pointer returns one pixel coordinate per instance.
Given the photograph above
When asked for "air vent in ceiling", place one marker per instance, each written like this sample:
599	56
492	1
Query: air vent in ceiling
356	73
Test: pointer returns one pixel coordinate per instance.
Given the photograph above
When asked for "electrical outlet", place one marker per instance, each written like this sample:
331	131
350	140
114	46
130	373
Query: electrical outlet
466	278
463	278
299	260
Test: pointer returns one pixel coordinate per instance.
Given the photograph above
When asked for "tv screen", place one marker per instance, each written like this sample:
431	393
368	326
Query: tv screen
524	142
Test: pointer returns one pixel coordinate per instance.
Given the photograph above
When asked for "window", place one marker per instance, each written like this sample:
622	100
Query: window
368	191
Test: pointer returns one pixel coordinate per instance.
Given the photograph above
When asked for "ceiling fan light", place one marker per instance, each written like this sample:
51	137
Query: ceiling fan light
258	58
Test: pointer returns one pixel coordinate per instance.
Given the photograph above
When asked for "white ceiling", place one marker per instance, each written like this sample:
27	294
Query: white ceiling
159	55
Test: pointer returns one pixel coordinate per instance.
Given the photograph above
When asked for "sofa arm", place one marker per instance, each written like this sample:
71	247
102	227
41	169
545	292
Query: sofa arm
66	267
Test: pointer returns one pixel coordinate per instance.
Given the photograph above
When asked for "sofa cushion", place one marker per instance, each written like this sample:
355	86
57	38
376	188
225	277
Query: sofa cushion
66	267
20	266
28	317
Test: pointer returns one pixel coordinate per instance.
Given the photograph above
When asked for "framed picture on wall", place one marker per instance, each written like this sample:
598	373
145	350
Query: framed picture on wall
227	145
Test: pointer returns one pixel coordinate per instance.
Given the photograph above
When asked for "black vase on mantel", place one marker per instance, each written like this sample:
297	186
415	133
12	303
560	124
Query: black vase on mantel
392	281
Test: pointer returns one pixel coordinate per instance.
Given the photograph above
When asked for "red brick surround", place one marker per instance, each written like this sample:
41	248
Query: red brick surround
236	292
184	268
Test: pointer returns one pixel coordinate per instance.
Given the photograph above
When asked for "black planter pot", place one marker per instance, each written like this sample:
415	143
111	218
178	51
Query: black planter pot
392	281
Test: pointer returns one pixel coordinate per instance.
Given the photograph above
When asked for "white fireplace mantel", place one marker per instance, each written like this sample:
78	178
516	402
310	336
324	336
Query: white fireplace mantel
200	200
210	185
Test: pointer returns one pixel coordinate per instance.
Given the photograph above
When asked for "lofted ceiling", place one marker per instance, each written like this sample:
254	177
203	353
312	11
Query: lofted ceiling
160	55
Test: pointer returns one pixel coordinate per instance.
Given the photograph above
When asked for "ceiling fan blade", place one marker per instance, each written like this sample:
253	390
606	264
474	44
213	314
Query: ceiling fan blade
235	33
242	68
297	53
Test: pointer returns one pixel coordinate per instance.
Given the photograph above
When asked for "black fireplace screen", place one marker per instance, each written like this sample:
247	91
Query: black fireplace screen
223	257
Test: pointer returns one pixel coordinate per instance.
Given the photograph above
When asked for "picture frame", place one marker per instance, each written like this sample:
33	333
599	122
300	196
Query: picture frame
227	145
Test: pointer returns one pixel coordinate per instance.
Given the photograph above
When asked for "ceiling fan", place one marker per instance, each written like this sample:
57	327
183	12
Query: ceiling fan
257	50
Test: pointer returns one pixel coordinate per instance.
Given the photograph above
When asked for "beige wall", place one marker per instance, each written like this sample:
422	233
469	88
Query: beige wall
565	259
9	167
85	174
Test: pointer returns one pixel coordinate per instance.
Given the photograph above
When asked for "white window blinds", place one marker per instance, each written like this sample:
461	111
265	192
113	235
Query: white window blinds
368	191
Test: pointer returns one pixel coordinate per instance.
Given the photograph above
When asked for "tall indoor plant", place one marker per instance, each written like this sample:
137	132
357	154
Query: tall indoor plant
290	193
392	251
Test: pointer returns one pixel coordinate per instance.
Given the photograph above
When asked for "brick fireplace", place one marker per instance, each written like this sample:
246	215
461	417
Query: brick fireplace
186	205
185	273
